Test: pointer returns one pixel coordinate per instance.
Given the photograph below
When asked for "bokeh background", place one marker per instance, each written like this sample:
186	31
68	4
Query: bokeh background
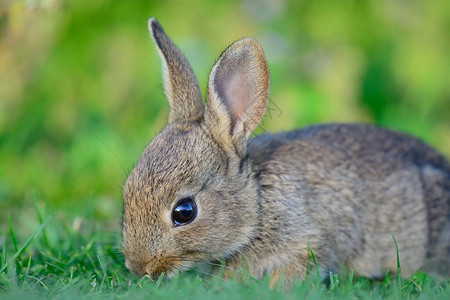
81	92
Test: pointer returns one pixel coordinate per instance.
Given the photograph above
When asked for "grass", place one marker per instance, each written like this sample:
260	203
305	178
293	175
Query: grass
60	260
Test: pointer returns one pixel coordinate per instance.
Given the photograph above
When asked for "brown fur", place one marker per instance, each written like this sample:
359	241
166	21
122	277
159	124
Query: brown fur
342	190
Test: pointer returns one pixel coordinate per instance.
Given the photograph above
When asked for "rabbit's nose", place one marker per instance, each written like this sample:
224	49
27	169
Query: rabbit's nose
136	268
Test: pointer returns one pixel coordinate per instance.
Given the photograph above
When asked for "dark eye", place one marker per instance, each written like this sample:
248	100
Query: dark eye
184	212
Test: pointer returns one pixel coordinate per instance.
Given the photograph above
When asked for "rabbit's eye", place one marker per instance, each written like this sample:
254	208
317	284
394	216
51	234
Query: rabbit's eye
184	212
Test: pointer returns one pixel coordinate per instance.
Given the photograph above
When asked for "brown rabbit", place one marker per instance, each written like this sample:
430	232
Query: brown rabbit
203	191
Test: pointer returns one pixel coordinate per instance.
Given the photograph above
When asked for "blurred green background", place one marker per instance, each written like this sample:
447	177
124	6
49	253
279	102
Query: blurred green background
81	91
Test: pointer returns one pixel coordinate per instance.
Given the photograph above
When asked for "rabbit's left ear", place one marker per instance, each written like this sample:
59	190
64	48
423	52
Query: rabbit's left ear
180	84
238	92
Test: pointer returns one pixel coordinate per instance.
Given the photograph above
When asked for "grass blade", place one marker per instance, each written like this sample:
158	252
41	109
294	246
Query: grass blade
28	243
399	271
314	261
11	233
135	286
27	272
160	279
41	220
350	280
3	252
32	237
103	268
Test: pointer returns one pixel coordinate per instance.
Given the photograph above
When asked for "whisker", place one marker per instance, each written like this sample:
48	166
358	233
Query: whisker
217	265
189	259
116	156
117	258
109	253
210	275
109	250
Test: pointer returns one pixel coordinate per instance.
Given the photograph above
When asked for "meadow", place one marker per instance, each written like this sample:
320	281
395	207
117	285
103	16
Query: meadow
81	95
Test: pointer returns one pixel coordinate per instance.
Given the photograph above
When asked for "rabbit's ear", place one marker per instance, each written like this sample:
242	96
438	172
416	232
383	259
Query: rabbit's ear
180	84
238	91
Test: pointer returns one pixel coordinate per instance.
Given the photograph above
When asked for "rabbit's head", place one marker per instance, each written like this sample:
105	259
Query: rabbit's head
192	196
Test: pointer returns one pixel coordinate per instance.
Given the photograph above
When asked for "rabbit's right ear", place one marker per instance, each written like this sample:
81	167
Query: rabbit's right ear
238	92
180	84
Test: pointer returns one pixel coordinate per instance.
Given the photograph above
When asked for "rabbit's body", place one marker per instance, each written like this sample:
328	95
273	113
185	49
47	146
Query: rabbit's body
202	191
349	187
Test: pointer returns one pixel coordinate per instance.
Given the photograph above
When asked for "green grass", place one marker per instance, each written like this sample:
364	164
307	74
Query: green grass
65	259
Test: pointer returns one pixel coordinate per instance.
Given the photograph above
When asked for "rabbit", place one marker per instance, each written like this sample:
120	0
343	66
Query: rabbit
204	190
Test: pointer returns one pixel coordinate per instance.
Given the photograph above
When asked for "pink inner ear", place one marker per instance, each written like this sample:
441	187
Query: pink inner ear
237	95
234	90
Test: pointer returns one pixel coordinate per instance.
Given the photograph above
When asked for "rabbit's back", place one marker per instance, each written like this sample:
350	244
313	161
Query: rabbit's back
357	186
